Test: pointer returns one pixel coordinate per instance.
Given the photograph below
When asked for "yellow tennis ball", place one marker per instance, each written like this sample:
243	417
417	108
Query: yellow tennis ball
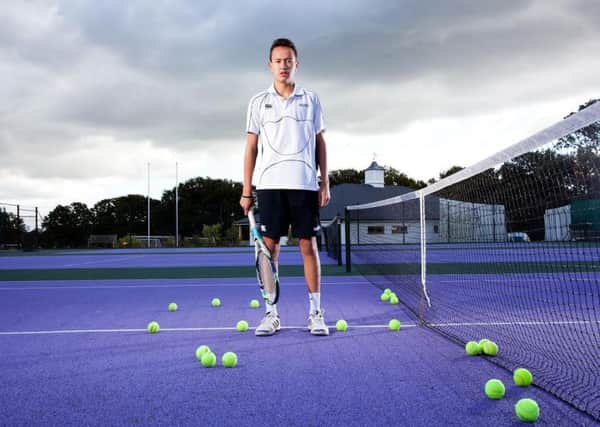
490	348
229	359
173	307
394	299
201	350
527	410
472	348
394	325
387	291
216	302
208	359
522	377
385	296
254	303
242	326
153	327
341	325
482	342
494	389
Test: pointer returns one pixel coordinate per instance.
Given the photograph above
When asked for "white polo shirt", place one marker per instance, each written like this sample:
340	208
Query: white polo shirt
286	130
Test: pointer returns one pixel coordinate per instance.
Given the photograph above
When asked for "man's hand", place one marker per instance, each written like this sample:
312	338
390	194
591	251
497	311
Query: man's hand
324	195
246	203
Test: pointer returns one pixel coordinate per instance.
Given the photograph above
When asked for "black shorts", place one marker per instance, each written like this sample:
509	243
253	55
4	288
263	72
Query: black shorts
279	209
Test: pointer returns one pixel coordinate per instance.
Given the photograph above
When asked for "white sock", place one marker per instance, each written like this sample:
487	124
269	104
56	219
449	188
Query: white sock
315	301
271	308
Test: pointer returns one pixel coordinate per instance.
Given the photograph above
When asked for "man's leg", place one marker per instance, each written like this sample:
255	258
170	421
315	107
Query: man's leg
312	275
312	264
271	218
273	246
270	322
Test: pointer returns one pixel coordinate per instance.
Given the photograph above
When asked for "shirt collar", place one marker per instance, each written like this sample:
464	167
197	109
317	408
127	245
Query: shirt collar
298	91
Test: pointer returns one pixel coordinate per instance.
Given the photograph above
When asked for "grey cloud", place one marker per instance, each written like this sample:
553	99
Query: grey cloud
181	73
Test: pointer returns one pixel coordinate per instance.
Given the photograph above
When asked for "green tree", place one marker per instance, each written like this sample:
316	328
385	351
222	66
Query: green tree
212	232
11	227
346	176
450	171
392	176
124	215
203	201
68	226
587	138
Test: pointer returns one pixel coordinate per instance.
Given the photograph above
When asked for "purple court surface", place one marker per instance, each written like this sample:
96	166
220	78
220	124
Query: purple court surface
75	353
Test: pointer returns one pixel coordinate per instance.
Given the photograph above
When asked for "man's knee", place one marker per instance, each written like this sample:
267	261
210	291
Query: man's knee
273	246
308	246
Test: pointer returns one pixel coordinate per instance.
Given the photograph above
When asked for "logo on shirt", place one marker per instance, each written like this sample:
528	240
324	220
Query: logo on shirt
303	105
268	106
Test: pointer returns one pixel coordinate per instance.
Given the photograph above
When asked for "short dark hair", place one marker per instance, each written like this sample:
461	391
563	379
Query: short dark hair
283	43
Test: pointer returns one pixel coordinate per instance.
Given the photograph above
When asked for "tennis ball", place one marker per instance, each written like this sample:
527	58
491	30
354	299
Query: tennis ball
341	325
216	302
494	389
472	348
242	326
482	342
490	348
172	307
254	303
527	410
153	327
385	296
201	350
394	299
229	359
522	377
208	360
394	325
387	291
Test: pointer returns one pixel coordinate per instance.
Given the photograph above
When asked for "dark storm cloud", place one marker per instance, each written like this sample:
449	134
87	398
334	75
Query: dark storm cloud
181	73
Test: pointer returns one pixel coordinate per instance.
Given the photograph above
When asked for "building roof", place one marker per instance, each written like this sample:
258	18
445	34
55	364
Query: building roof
356	194
374	167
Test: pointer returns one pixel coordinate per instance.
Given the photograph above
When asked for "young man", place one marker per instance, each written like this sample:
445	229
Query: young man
285	131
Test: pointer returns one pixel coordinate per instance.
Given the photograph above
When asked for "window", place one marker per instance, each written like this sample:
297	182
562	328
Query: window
375	229
399	229
436	229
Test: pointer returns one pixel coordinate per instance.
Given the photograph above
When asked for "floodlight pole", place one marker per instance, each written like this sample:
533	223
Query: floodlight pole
148	235
176	204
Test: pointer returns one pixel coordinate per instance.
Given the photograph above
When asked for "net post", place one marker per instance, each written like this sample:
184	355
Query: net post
422	219
338	222
19	231
348	241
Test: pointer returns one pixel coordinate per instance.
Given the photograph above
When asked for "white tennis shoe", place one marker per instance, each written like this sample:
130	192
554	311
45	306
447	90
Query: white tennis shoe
316	324
268	325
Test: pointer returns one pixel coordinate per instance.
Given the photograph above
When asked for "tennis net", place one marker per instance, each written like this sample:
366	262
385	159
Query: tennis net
507	249
332	235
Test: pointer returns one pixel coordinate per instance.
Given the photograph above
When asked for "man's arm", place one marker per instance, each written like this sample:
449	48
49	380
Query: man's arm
249	164
324	195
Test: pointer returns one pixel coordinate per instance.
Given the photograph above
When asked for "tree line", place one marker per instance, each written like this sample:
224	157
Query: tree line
526	186
529	185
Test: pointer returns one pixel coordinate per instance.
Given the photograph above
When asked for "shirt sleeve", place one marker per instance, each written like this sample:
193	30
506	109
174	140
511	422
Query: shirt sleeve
252	119
319	123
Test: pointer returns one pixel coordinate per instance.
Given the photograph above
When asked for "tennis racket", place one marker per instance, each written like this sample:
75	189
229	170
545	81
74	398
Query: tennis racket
266	272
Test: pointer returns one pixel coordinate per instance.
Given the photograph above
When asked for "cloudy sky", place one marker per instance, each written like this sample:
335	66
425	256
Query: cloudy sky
90	92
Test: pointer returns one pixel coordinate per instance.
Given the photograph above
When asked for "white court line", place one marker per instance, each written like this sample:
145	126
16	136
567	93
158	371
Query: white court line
166	285
520	323
231	328
103	261
197	329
